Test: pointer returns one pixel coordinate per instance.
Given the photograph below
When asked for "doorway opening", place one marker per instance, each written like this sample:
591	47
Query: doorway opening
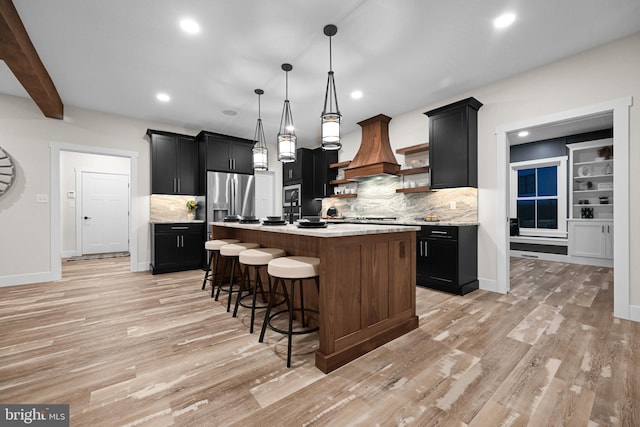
619	111
57	199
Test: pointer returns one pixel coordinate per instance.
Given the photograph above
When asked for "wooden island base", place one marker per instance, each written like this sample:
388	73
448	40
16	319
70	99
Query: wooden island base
367	282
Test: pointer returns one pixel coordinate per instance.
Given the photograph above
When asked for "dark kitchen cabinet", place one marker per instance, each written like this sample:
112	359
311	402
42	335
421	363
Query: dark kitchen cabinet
453	144
322	173
174	163
301	169
447	258
223	153
176	247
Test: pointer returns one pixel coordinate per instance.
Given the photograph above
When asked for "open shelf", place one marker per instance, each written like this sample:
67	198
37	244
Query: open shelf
420	148
343	196
414	171
340	164
424	189
340	181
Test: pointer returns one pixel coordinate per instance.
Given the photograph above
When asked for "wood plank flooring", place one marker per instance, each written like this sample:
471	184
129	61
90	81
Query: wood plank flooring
128	349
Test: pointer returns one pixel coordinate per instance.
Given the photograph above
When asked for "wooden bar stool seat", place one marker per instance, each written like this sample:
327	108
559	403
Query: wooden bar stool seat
256	258
295	269
213	250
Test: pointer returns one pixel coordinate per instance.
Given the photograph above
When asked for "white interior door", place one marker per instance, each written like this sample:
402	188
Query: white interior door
105	213
265	194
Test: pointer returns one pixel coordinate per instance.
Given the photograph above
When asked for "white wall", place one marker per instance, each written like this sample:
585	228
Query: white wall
602	74
599	75
25	226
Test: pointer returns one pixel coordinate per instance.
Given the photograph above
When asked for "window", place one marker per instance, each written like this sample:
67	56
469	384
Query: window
539	196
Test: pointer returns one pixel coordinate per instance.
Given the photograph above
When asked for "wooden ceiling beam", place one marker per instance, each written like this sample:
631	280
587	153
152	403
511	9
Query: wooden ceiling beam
17	51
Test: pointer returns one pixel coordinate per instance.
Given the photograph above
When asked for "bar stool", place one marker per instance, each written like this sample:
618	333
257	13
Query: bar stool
213	250
296	269
232	251
255	258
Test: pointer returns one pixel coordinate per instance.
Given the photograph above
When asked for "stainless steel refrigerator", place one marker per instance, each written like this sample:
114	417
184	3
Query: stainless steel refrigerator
229	194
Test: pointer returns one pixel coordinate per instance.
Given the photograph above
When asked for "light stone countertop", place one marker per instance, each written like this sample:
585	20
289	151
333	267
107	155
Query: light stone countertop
332	230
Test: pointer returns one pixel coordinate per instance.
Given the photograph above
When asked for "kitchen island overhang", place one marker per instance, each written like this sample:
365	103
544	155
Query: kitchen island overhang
367	281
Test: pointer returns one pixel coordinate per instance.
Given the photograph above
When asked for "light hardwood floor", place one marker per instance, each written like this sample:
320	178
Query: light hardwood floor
136	349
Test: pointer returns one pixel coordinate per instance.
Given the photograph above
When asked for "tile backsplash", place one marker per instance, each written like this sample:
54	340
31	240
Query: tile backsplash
378	197
168	208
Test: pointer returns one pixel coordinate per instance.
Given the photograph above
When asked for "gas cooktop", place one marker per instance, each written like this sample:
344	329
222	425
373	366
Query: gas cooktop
371	218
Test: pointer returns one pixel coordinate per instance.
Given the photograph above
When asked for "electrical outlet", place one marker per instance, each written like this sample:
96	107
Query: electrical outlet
452	204
42	198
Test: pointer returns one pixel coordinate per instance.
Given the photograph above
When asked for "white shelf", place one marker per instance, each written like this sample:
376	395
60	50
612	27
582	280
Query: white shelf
588	169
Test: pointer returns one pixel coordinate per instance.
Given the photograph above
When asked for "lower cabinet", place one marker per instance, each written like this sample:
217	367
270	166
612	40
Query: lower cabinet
591	238
447	258
176	247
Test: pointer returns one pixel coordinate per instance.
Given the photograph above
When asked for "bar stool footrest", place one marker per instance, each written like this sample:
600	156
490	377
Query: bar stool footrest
300	331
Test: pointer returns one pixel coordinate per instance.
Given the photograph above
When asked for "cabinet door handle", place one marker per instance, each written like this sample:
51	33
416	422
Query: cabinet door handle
179	189
182	241
177	241
608	229
603	228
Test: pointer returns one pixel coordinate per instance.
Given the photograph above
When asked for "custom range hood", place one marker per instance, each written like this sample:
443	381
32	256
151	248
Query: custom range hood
375	156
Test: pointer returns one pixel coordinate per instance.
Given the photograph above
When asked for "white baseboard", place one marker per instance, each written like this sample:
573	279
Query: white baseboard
69	254
143	266
599	262
634	313
27	279
489	285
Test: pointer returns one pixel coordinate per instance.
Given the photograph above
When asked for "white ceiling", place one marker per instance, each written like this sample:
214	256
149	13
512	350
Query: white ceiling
114	56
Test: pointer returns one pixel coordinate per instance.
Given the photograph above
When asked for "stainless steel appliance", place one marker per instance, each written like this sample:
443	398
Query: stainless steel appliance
229	194
291	206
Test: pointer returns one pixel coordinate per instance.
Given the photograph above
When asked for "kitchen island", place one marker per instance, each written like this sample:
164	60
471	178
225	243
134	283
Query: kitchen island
367	281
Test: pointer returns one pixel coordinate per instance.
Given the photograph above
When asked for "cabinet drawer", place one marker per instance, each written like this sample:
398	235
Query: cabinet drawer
178	227
439	232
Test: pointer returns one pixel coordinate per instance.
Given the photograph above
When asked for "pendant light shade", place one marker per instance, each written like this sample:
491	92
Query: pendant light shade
260	152
331	114
286	135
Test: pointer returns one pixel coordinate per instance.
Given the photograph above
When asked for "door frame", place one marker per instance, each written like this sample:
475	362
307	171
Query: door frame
79	196
621	264
56	222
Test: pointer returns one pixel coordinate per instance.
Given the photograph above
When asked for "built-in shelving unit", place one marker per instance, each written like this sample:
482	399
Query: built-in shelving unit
591	199
591	185
414	154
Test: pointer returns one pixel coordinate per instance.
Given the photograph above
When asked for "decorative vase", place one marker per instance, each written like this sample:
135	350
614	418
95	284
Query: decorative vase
191	215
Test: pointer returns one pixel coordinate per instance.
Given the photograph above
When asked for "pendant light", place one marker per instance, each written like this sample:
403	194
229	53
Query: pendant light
286	135
260	152
331	114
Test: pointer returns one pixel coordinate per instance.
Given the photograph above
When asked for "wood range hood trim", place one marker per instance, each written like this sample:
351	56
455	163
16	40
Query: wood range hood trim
18	52
375	156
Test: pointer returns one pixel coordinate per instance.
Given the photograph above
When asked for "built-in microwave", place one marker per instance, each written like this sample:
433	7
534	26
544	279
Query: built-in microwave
291	195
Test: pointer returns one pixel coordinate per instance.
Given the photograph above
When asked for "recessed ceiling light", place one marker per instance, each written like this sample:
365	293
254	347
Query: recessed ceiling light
523	133
163	97
356	94
229	113
504	20
189	26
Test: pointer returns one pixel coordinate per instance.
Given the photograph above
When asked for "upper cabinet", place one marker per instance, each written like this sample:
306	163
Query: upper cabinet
453	144
223	153
323	174
302	168
174	163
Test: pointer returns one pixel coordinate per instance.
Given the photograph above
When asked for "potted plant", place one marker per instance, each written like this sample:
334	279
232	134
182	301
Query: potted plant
192	205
